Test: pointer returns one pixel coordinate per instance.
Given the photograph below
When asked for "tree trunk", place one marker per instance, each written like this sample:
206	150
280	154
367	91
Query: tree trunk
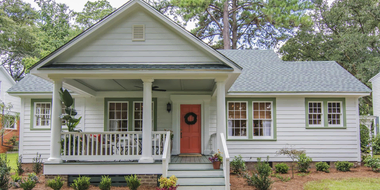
234	26
226	28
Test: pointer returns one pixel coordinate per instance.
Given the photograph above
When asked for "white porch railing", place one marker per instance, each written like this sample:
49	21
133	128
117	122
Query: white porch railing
108	146
226	162
166	156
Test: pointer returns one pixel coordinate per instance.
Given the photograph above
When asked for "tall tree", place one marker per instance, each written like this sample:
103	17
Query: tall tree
239	24
347	31
93	12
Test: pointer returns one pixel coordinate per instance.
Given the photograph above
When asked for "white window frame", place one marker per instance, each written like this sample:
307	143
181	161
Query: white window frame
36	118
108	115
322	114
271	119
14	125
341	114
133	115
246	118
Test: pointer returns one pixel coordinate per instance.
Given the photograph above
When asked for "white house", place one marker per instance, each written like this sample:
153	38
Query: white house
6	82
136	74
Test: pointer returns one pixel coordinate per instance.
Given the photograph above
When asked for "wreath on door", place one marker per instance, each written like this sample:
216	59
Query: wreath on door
194	121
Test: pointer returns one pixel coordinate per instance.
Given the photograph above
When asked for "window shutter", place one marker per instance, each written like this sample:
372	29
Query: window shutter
138	33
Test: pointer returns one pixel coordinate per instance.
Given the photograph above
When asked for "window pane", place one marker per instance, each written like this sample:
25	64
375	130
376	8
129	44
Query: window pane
262	119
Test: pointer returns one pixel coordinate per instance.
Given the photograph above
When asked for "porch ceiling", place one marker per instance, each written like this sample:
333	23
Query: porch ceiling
130	84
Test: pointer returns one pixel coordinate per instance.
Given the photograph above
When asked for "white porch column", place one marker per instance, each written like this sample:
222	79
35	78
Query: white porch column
147	122
56	124
220	111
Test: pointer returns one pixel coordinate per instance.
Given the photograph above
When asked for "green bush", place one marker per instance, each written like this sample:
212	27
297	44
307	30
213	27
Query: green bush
322	166
16	178
261	179
19	169
28	184
55	183
373	163
282	168
132	182
238	165
33	177
81	183
37	164
376	144
304	163
364	138
4	172
343	166
105	183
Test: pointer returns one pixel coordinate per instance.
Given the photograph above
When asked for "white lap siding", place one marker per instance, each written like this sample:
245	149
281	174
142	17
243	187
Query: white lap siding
320	144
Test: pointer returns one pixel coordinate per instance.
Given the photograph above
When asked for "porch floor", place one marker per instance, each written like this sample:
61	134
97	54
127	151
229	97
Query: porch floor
190	159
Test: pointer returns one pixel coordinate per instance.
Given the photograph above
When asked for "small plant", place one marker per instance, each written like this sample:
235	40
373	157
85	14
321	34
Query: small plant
373	163
132	182
261	179
33	177
4	172
168	184
303	174
19	169
282	168
55	183
322	166
238	165
304	163
16	179
37	164
293	154
216	157
283	179
343	166
81	183
28	184
105	183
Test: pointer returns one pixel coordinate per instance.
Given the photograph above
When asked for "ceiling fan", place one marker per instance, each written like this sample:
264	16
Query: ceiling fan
154	88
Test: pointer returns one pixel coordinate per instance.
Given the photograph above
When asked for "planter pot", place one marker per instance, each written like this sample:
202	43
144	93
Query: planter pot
216	165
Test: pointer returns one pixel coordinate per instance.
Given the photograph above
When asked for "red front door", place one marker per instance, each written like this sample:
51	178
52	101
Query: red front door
190	130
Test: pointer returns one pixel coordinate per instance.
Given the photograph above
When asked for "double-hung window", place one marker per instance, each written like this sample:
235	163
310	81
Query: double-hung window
325	113
262	120
118	116
315	111
237	119
138	115
334	113
10	122
42	112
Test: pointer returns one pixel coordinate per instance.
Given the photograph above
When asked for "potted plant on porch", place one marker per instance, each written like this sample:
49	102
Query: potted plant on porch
216	160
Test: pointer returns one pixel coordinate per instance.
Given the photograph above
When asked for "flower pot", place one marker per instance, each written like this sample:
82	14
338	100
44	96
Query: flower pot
216	164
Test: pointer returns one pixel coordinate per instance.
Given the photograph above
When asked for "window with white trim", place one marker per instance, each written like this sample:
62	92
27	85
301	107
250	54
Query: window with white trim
334	113
262	119
237	119
42	111
315	113
10	122
138	115
118	116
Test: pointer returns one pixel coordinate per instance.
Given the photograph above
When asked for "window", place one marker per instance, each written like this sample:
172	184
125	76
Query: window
237	119
42	111
325	113
118	116
10	122
262	119
138	115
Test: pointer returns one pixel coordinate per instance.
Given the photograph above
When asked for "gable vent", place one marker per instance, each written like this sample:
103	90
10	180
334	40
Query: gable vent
138	33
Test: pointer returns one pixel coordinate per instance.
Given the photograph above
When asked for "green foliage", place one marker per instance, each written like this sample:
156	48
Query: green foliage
105	183
19	169
343	166
168	183
322	167
70	112
373	163
28	184
37	164
33	177
375	144
56	183
81	183
282	168
132	182
364	138
92	12
346	184
260	178
16	177
292	153
304	162
283	179
4	172
238	165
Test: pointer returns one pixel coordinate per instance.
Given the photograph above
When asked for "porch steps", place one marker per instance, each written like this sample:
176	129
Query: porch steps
197	176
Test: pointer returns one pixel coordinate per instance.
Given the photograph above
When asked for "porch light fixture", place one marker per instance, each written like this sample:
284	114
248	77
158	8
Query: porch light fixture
169	107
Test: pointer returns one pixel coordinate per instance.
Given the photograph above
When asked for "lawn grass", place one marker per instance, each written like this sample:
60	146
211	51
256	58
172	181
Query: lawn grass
347	184
12	158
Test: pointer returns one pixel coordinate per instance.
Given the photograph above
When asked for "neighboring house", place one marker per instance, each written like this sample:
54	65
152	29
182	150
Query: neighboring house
11	129
242	102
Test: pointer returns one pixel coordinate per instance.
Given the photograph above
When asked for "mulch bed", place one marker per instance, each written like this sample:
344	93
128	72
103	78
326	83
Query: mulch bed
298	182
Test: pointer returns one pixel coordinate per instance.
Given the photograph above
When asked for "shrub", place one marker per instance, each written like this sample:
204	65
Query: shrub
292	153
28	184
261	179
343	166
4	172
105	183
373	163
55	183
19	169
37	164
282	168
33	177
376	144
168	184
283	179
322	167
132	182
304	162
364	138
81	183
238	165
16	178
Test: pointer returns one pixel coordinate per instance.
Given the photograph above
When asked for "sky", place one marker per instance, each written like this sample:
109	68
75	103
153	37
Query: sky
77	5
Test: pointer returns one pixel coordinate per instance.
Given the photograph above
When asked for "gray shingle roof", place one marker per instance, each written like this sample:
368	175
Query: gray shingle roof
264	71
31	83
138	66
